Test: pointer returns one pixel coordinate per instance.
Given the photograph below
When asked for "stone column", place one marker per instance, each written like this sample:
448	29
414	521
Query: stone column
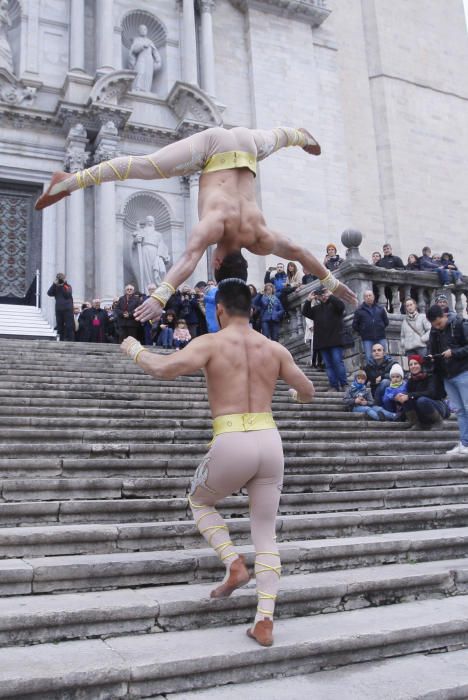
75	159
201	270
77	34
189	45
104	35
105	249
208	81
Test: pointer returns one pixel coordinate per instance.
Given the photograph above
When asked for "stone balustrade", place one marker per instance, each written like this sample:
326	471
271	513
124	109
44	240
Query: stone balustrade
360	275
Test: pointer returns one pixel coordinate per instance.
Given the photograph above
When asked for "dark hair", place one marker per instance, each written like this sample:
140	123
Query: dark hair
449	256
233	265
234	295
425	249
253	290
294	266
434	312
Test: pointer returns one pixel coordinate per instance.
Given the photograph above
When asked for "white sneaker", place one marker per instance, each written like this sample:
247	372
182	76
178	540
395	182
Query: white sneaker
463	449
455	450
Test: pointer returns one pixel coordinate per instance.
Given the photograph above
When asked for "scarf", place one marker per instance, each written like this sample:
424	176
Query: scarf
412	316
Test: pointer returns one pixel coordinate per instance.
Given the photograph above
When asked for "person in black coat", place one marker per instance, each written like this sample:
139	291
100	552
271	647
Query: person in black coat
390	262
423	405
448	346
95	323
64	316
124	310
378	372
370	321
327	314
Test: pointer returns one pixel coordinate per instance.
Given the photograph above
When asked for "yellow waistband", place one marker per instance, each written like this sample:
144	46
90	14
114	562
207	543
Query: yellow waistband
231	159
242	422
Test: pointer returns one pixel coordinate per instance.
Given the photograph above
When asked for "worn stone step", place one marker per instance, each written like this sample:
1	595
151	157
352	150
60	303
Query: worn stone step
177	465
44	618
35	489
111	505
143	665
160	567
425	676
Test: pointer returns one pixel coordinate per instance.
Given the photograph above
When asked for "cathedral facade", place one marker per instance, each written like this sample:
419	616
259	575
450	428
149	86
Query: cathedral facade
380	83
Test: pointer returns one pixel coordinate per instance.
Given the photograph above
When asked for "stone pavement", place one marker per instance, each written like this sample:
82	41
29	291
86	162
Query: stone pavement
104	581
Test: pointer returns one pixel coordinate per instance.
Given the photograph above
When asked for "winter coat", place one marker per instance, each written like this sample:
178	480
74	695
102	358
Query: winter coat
430	386
427	263
370	322
388	400
278	280
454	337
333	263
270	307
63	296
391	262
328	322
414	332
373	370
349	399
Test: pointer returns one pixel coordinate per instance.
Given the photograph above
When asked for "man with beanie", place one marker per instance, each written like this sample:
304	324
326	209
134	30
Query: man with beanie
442	301
448	345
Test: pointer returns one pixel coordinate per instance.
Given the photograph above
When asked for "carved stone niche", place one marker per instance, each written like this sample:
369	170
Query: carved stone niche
193	108
136	209
156	33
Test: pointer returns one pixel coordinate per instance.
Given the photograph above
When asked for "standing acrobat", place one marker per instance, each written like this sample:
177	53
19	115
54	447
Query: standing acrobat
229	215
241	368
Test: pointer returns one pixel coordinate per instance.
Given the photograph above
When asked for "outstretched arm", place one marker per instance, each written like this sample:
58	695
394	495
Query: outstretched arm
193	357
207	232
285	248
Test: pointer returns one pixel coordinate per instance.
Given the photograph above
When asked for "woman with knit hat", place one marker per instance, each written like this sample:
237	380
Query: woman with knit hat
332	260
423	405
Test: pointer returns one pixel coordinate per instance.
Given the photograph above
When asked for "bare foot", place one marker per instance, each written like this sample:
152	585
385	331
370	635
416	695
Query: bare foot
262	632
238	576
54	192
312	146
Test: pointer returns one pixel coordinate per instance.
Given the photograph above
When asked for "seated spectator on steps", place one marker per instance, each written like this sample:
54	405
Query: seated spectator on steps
370	321
332	260
394	394
358	399
327	311
181	336
415	330
448	272
426	263
423	405
378	372
271	312
164	331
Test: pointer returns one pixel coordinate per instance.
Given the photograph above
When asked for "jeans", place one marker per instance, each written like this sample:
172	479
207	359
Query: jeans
367	345
457	392
417	351
271	329
380	391
179	344
425	407
334	365
165	337
374	411
448	276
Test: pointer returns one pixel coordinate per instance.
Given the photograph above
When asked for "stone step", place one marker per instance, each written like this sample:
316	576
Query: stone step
108	504
143	665
425	676
176	465
85	572
46	618
37	489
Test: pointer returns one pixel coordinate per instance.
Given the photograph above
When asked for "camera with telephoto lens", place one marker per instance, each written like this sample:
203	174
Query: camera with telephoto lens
60	279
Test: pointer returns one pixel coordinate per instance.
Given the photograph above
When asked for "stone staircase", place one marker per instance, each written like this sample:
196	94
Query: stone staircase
105	582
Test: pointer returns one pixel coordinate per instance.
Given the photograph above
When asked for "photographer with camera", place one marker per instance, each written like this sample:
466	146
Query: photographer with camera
65	319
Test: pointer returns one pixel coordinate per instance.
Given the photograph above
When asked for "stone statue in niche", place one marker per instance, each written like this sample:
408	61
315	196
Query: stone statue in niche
153	254
145	59
6	58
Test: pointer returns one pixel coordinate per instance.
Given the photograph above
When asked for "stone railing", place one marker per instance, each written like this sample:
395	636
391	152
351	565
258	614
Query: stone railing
360	275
